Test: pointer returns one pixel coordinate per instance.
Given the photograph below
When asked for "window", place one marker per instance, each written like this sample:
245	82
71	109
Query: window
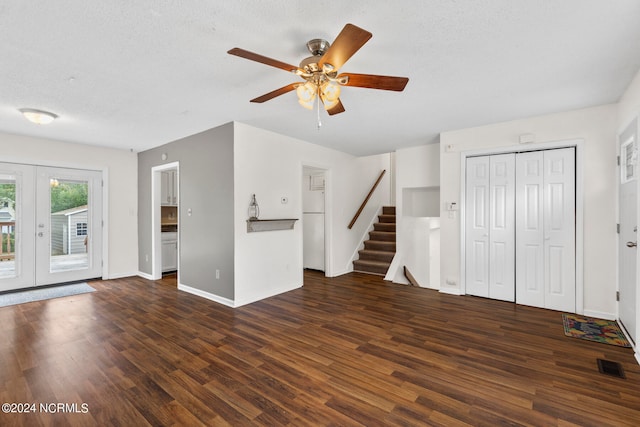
628	160
81	229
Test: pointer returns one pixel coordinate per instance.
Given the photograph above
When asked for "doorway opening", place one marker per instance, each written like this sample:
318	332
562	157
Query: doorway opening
314	221
165	225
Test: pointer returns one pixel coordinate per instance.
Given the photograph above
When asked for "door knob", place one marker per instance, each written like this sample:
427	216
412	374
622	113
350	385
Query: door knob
40	234
632	244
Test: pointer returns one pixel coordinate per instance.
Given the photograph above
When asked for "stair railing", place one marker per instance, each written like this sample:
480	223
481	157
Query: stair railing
364	203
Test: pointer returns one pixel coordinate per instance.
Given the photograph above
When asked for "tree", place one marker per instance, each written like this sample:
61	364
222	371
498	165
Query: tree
7	195
67	195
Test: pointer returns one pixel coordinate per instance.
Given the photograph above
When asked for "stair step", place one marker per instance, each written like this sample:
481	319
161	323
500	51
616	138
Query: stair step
385	236
385	226
367	266
387	218
370	255
380	249
377	245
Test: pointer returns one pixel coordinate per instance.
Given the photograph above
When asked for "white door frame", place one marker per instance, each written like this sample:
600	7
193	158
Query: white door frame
156	220
579	146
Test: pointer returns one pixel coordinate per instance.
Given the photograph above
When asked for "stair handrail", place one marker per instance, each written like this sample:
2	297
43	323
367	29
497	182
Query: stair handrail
364	203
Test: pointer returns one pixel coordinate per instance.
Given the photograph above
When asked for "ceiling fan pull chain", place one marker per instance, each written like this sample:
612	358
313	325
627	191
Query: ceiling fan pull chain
318	109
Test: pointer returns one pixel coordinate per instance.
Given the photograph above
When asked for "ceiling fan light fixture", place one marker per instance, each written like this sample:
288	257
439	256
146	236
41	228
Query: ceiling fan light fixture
307	94
330	92
39	117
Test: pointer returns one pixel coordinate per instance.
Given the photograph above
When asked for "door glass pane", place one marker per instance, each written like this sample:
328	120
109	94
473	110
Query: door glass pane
629	160
69	225
7	226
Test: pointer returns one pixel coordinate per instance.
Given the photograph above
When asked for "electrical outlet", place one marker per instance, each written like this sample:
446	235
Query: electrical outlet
217	274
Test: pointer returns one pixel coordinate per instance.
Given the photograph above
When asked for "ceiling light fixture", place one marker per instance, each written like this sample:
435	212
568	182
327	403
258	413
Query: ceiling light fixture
39	117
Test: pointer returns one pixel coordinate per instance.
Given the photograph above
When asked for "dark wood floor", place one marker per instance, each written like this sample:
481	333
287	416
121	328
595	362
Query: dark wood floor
348	351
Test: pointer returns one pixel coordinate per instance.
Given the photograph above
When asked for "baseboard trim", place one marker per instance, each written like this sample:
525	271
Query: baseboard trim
255	298
599	315
450	291
145	275
121	275
207	295
341	273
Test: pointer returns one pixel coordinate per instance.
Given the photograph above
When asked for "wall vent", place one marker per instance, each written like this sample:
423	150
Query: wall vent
609	367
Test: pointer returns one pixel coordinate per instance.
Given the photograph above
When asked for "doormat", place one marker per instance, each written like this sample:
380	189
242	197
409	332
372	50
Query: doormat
20	297
591	329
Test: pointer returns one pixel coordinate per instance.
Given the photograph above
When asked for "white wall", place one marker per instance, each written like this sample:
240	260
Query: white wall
270	165
121	168
416	168
629	104
596	126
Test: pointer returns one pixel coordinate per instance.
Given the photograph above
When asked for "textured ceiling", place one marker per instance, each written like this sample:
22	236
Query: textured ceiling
137	74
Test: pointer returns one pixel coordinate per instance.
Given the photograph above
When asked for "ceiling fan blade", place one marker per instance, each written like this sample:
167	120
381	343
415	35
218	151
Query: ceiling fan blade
376	82
336	109
350	39
277	92
262	59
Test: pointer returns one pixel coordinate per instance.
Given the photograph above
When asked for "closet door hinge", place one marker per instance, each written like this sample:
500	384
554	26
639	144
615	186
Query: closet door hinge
618	160
617	295
618	228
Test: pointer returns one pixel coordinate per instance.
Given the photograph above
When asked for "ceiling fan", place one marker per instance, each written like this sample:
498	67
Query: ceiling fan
322	82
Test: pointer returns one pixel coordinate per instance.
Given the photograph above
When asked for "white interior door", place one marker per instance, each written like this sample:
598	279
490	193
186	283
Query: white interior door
529	229
545	231
502	227
51	223
477	226
560	229
627	249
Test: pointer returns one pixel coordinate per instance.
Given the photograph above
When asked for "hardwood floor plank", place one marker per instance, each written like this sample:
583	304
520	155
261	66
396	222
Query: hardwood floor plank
351	350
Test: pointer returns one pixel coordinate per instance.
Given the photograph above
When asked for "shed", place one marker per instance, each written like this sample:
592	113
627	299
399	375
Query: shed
69	229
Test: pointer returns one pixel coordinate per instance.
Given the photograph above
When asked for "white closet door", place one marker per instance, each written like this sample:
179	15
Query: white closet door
529	229
502	227
477	226
545	229
559	229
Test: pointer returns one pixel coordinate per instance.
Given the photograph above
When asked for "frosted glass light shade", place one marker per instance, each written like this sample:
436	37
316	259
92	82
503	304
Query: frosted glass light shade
38	116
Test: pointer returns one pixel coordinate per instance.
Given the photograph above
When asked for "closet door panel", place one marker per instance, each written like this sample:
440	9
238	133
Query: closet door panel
477	227
559	232
502	227
529	229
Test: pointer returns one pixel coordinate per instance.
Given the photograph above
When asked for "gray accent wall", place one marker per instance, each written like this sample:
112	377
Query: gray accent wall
206	187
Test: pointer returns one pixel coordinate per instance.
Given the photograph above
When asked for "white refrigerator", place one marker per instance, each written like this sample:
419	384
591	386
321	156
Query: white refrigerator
313	229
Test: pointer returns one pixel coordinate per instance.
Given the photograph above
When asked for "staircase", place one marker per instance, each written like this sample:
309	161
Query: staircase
379	250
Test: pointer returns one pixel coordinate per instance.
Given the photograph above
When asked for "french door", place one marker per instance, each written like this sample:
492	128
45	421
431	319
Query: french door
51	225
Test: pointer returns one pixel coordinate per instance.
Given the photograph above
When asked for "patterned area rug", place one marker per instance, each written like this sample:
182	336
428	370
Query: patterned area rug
40	294
599	330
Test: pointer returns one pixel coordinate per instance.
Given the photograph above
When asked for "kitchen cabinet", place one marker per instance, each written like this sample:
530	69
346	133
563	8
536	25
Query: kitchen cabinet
169	251
169	188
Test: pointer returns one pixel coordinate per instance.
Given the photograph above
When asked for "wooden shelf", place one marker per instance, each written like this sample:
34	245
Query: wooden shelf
255	225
